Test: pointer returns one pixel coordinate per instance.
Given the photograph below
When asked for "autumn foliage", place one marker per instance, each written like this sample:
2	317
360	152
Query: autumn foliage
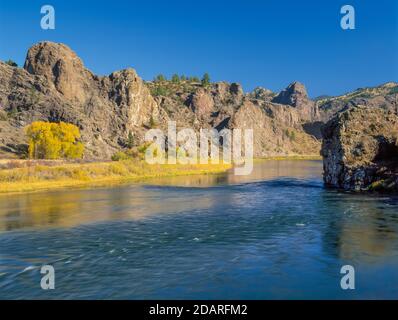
48	140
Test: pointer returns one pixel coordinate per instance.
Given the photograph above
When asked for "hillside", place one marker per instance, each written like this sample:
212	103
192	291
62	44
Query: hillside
54	85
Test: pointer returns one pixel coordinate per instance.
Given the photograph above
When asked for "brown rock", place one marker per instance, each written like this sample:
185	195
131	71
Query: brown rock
295	95
360	149
57	87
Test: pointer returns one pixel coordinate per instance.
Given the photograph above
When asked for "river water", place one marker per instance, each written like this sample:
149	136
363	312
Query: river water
277	234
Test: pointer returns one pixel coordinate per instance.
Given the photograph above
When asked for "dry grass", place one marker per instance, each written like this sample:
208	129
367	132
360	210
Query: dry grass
290	157
27	178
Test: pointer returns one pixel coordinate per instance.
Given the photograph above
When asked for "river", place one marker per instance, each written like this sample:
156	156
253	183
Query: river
276	234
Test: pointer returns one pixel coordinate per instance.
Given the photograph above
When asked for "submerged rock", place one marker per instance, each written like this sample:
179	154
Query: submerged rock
360	150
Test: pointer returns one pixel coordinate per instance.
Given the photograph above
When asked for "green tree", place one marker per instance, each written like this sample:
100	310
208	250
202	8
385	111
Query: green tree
175	78
206	79
160	78
130	140
11	63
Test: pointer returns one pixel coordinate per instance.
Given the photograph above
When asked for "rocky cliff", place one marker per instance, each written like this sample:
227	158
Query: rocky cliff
360	149
278	128
54	85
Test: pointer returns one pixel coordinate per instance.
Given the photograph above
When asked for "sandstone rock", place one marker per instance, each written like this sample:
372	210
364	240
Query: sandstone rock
360	149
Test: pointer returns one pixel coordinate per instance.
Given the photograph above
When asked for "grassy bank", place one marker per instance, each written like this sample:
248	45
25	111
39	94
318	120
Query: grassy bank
28	176
291	157
31	177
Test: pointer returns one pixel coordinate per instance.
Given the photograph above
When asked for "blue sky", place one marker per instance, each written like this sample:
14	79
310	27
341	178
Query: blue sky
267	43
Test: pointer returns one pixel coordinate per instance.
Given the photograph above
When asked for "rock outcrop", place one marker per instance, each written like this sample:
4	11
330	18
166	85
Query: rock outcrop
296	96
360	150
278	128
54	85
384	96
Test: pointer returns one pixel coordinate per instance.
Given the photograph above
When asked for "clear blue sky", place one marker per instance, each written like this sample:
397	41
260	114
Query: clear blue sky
267	43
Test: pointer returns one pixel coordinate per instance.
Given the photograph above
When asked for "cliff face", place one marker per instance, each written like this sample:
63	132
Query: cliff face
360	149
384	96
278	128
54	85
295	95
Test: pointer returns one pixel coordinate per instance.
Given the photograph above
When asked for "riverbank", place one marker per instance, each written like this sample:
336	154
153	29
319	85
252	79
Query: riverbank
19	176
291	157
42	176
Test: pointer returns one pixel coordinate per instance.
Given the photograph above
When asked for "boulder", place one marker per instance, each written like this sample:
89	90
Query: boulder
360	150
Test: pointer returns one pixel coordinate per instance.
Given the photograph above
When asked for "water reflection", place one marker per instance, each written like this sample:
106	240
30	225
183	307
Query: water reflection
262	170
68	208
276	234
361	227
71	208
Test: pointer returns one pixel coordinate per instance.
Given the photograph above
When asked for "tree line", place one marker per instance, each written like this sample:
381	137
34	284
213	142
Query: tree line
175	78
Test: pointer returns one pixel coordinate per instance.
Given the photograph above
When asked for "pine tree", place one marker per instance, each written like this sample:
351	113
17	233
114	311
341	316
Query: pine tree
175	78
206	79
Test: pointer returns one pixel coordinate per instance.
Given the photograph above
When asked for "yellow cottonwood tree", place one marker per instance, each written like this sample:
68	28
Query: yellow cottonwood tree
49	140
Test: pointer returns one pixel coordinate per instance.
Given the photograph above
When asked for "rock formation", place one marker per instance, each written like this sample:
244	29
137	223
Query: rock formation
278	128
360	149
54	85
296	96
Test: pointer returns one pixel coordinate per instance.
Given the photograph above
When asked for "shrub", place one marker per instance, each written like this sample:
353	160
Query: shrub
152	122
11	63
206	79
119	156
175	78
130	140
48	140
290	134
160	78
160	91
3	116
194	79
394	90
